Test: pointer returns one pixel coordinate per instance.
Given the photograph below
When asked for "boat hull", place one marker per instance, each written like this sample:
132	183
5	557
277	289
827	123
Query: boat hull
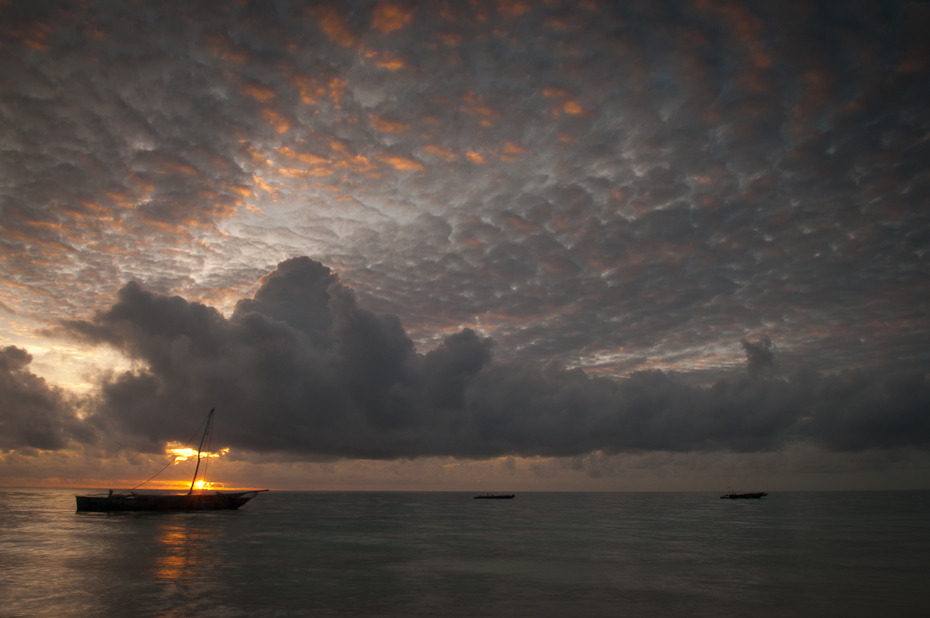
494	497
216	501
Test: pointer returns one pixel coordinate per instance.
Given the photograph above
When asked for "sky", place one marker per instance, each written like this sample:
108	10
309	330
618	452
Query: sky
508	245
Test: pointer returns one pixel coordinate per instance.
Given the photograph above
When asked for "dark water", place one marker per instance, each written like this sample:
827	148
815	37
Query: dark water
445	554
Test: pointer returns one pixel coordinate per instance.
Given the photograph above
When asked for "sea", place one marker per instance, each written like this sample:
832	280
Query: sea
445	554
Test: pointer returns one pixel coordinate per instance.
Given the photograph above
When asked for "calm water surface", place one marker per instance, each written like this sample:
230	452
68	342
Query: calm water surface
445	554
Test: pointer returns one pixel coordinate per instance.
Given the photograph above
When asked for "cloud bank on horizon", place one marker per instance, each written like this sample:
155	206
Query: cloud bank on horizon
684	226
301	369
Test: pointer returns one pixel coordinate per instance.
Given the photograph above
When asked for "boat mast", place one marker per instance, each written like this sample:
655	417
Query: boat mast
206	430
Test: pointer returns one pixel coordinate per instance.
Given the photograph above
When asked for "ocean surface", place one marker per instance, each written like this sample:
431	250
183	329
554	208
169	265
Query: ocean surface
445	554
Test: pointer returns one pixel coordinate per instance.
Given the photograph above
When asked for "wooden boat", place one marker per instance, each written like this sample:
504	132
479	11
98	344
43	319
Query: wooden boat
736	496
133	501
190	501
494	496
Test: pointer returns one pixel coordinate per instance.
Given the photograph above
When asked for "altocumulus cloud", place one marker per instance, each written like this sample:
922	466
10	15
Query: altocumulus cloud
301	369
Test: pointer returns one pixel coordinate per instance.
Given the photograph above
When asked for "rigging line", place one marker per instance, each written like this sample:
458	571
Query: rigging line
190	441
153	476
208	448
206	430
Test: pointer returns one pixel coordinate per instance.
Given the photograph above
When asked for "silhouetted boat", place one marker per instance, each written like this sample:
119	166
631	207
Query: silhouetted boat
735	496
190	501
494	496
133	501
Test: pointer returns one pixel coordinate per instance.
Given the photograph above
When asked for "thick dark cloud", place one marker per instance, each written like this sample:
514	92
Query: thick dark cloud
301	368
759	355
34	415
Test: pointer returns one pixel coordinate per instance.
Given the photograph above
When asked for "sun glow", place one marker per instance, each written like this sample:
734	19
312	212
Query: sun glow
180	485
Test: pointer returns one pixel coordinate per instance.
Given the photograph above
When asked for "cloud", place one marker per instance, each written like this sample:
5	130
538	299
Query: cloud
301	368
729	168
759	355
35	415
616	186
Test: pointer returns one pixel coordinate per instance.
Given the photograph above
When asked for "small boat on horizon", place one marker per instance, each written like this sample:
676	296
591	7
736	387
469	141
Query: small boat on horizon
494	496
743	496
190	501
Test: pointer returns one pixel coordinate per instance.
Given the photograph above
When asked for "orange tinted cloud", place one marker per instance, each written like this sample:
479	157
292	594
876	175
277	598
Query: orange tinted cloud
280	123
389	62
361	163
553	92
386	126
33	35
303	157
264	186
240	190
747	29
402	163
88	210
513	8
474	157
333	26
517	222
442	153
161	163
258	92
175	166
572	107
318	172
221	47
389	17
475	105
451	39
510	151
336	89
310	91
913	64
562	24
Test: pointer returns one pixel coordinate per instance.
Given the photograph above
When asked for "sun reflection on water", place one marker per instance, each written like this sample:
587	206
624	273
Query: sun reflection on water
184	552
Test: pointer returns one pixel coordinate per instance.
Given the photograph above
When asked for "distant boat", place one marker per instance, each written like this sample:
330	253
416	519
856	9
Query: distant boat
736	496
495	497
190	501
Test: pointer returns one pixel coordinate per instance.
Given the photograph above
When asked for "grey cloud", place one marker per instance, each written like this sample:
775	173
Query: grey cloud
296	294
759	355
857	410
301	368
34	414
